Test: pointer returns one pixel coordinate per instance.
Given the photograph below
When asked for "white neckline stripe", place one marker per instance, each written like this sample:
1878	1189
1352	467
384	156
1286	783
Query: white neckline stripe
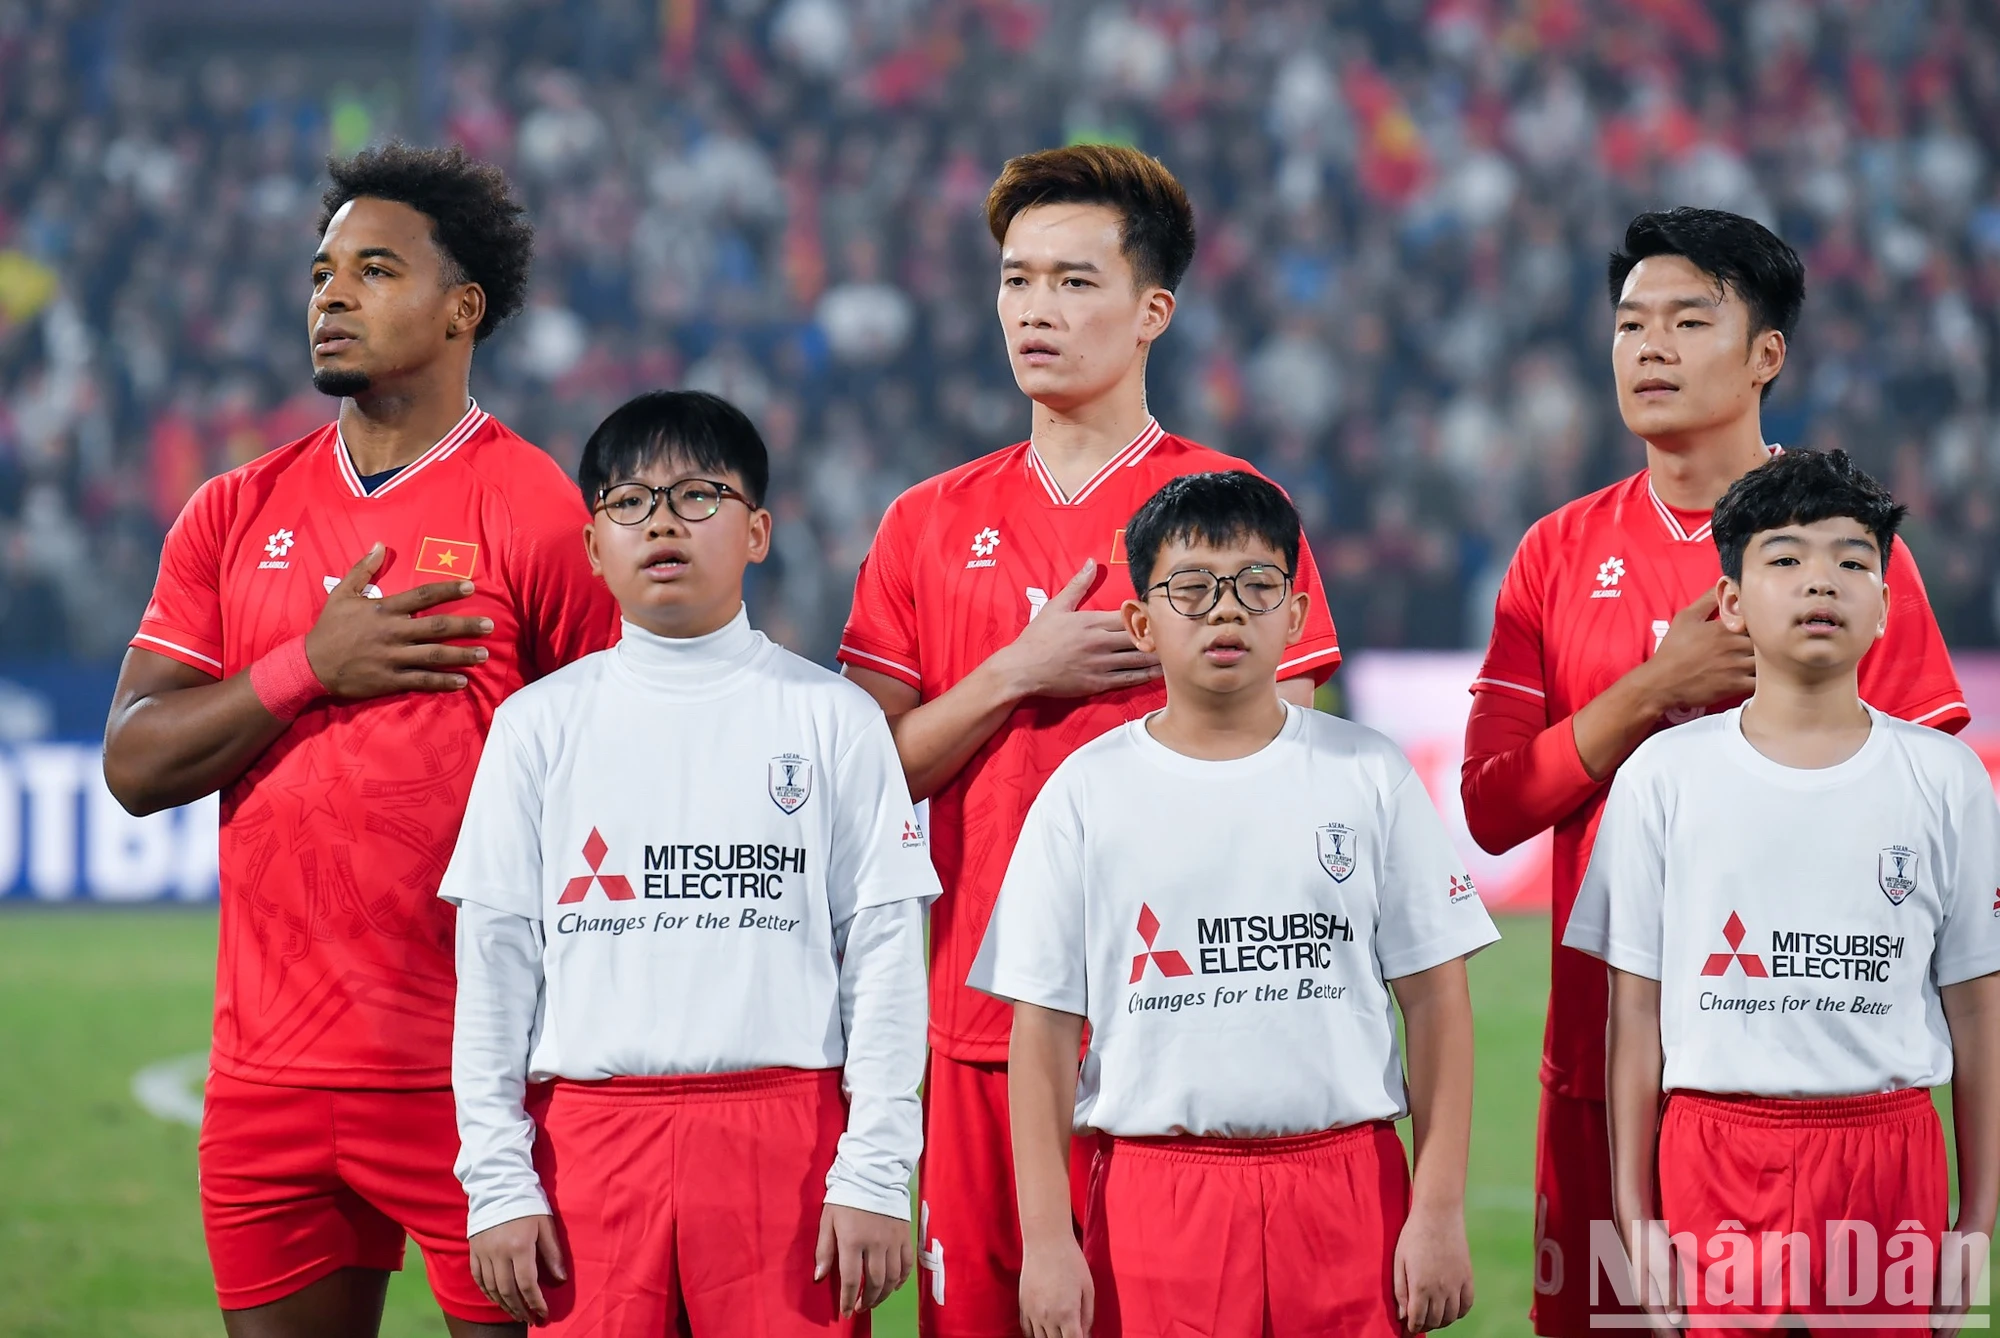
1673	522
475	418
846	649
1130	454
1477	683
1948	706
174	645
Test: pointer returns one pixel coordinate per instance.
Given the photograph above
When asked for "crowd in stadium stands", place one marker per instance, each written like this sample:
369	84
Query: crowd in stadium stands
1398	309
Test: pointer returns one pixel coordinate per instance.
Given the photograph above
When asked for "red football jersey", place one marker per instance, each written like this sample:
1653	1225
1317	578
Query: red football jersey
1587	597
960	564
335	962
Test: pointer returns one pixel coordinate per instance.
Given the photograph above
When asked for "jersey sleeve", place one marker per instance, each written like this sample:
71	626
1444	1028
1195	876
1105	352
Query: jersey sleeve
1033	950
1514	660
566	610
1429	912
498	860
1908	673
1317	654
881	631
880	853
183	620
1618	910
1968	943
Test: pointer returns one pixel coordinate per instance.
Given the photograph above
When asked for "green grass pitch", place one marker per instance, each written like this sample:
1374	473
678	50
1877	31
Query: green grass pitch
99	1230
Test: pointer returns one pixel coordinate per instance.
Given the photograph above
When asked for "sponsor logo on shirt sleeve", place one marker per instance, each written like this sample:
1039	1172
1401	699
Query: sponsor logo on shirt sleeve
913	835
1462	888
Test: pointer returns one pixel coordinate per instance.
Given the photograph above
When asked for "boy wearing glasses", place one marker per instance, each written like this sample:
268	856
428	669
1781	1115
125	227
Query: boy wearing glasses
690	1020
1227	891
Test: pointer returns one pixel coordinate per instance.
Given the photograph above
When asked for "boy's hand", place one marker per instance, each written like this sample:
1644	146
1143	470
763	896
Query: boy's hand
504	1265
1057	1296
1655	1268
873	1252
1433	1274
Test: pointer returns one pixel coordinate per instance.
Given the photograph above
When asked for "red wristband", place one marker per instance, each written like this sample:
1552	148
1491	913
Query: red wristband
284	680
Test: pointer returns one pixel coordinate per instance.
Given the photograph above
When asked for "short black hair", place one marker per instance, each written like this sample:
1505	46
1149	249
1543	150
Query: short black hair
1210	509
1739	253
481	230
1801	488
689	426
1156	220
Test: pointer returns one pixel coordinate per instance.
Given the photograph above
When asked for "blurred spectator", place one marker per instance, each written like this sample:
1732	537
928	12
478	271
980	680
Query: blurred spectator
1398	308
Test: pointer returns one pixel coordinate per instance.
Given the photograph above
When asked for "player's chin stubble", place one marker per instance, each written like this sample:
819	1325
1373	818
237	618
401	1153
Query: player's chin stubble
333	381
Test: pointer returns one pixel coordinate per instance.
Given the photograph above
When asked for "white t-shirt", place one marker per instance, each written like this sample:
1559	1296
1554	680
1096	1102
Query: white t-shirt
1799	922
1227	927
691	829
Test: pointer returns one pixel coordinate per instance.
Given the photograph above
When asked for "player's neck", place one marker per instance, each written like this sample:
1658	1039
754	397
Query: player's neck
1804	721
1075	441
392	426
1217	727
1692	472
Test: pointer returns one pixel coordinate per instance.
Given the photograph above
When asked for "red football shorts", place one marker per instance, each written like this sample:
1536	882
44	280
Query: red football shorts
297	1182
1219	1237
691	1204
1572	1189
969	1237
1861	1181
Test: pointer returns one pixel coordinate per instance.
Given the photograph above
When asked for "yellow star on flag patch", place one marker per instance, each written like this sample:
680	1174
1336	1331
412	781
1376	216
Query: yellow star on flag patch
447	557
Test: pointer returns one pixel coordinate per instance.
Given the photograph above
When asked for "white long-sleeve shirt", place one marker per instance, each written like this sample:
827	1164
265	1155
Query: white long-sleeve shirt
689	856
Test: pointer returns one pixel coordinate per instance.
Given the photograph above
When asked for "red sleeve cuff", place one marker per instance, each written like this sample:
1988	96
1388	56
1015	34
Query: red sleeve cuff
1947	712
864	654
1309	660
175	644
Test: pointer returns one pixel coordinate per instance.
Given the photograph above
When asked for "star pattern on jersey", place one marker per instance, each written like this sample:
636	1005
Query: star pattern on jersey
279	544
984	542
1610	571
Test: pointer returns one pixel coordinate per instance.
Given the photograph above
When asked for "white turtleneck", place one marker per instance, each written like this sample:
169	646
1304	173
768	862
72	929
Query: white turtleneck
689	855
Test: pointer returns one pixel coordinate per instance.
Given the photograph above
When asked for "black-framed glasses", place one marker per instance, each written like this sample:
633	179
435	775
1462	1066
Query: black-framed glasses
693	500
1195	591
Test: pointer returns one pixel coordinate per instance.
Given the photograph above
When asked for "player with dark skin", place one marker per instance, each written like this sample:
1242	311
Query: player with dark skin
393	335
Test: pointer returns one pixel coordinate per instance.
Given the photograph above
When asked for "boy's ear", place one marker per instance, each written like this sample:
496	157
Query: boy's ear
1882	623
1729	606
1138	624
760	534
590	548
1295	616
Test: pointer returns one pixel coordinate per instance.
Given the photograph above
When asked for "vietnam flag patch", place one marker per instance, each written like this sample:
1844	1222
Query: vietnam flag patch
447	557
1118	557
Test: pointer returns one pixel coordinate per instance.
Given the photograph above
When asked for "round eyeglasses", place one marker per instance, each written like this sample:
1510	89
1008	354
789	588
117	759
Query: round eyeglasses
1196	591
693	500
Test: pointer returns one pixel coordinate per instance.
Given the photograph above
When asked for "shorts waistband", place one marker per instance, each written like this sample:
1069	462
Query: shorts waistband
1188	1147
695	1086
1823	1112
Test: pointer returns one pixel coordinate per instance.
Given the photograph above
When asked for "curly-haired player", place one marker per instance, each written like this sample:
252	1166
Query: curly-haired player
333	626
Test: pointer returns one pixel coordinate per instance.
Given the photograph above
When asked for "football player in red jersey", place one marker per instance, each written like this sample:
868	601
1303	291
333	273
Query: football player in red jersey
986	623
333	626
1605	632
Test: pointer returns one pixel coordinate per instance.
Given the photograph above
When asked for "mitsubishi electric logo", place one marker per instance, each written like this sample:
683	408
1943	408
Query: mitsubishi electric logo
615	885
1718	962
1170	962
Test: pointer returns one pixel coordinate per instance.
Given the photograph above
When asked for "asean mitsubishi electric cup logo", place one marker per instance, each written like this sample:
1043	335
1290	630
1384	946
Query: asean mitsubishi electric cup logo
791	781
